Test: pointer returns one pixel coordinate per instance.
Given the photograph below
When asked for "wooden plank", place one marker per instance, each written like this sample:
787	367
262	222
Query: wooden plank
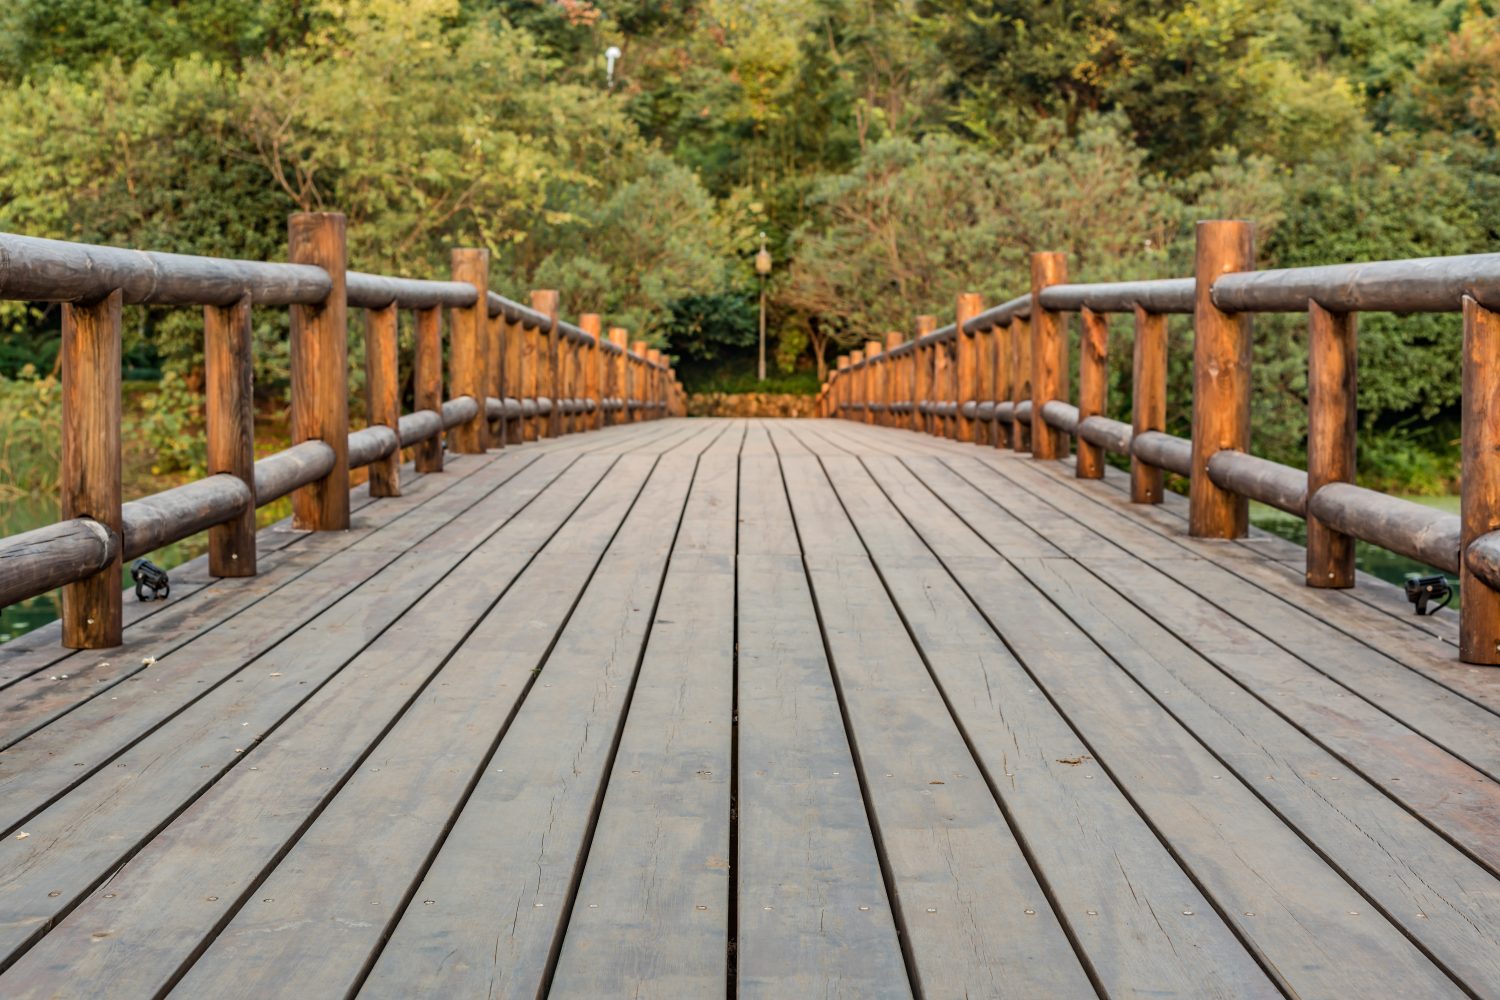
317	920
974	916
813	916
1145	928
113	813
488	914
651	915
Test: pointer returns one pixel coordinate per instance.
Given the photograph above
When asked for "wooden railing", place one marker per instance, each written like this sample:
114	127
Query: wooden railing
1001	376
515	373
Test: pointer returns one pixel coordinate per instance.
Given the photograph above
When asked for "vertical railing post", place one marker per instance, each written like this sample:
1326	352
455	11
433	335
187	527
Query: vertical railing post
966	363
657	383
1221	380
545	301
620	337
927	383
1479	603
1148	398
856	375
984	351
1004	333
494	325
1049	356
641	375
427	382
229	405
513	381
1020	367
841	387
383	395
1331	422
467	347
1093	388
871	379
895	372
93	608
593	325
568	367
320	376
531	370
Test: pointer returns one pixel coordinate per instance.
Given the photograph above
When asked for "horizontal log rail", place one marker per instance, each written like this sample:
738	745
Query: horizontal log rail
974	379
515	373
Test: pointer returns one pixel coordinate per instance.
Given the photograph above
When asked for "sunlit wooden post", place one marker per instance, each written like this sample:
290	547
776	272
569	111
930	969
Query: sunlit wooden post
229	406
383	395
966	363
545	301
1049	356
320	371
620	337
531	371
653	356
984	344
427	382
897	384
1020	367
927	384
495	373
1148	399
93	608
1093	388
871	379
841	387
1221	380
467	349
593	325
1004	333
1479	603
513	383
1331	420
642	382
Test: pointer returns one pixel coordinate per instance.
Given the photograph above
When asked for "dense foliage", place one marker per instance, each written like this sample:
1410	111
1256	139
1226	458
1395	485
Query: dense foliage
896	152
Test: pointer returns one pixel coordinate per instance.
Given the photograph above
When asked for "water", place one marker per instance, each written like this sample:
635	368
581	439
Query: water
1373	559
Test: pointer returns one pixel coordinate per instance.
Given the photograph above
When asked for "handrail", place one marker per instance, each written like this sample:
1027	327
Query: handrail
510	380
974	380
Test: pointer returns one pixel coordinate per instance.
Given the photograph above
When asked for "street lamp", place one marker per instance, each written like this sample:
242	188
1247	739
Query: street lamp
611	56
763	268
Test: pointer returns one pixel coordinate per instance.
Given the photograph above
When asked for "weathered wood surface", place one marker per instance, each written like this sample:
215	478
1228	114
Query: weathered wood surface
772	709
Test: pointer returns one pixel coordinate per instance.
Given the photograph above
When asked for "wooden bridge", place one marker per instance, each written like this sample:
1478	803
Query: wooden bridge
909	703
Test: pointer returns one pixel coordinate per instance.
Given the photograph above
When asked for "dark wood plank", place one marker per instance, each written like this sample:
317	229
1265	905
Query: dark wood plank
651	915
1145	927
122	806
488	913
975	917
813	919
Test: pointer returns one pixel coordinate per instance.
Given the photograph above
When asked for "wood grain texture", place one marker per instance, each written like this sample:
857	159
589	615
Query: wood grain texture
1148	400
1049	356
1021	375
966	362
320	361
549	365
89	479
468	350
427	382
1093	387
229	412
1479	613
1221	379
383	395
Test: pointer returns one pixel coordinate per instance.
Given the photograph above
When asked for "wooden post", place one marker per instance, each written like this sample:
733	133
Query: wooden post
927	385
896	382
1020	366
1148	398
1331	421
1093	389
966	362
383	395
427	382
620	337
1003	375
1479	604
531	365
495	367
640	379
93	608
1049	356
229	405
320	371
984	351
1221	380
841	384
871	379
545	301
654	357
513	383
467	374
564	381
591	324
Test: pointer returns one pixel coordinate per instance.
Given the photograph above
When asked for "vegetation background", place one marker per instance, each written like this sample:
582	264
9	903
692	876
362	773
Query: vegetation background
896	152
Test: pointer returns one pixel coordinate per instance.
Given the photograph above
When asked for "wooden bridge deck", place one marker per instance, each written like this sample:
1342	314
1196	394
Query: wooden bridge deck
784	709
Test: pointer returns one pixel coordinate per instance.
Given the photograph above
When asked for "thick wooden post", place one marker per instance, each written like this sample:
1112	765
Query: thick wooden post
896	380
1148	398
546	301
984	344
620	337
513	382
93	608
654	357
1020	366
495	369
427	382
640	376
383	395
1479	604
871	379
856	385
1093	389
531	365
467	347
1331	421
320	371
229	404
966	362
1004	334
1049	356
1221	380
841	387
927	384
591	324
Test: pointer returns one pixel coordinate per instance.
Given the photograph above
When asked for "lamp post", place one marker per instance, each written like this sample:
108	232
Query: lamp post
763	268
611	56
